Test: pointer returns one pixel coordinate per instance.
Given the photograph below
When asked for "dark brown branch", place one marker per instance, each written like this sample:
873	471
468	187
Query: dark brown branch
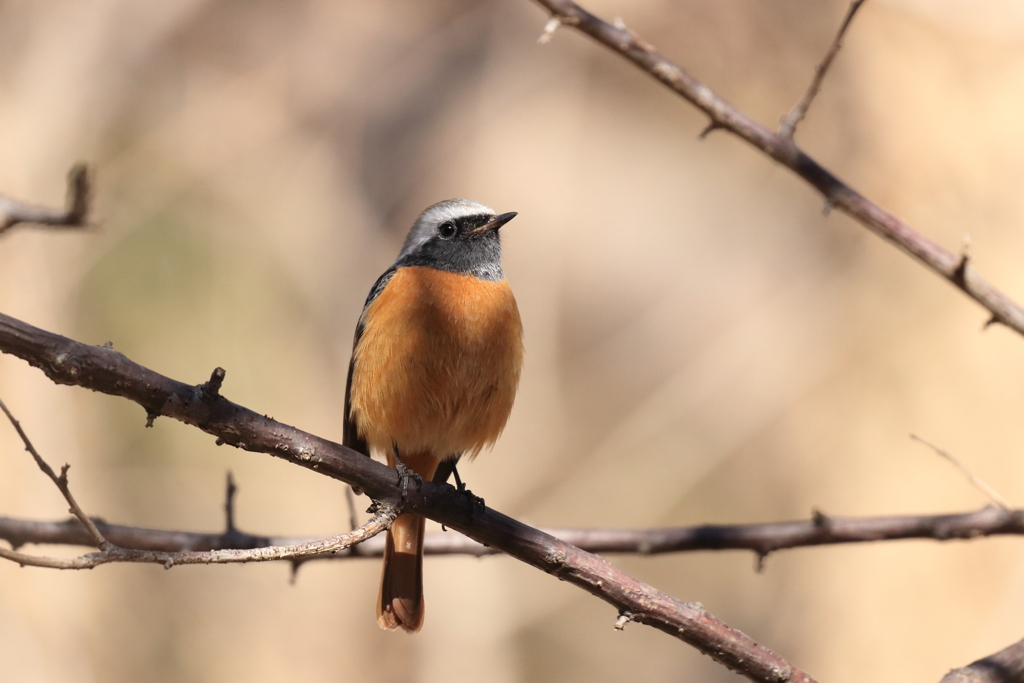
66	361
782	149
788	124
75	214
761	539
1005	666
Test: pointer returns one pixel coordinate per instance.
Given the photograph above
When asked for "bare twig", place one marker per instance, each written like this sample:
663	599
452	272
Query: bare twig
66	361
975	481
110	552
784	150
379	522
788	123
761	539
1005	666
60	481
74	215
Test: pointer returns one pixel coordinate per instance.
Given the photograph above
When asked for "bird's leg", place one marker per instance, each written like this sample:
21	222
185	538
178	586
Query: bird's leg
460	486
405	474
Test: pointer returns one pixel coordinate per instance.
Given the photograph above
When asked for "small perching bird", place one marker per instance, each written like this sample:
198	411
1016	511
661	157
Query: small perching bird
434	371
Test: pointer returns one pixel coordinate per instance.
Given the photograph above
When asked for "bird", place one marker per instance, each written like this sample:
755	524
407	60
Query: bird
435	367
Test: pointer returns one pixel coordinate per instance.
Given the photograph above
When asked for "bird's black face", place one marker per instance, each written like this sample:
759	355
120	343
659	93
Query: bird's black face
468	244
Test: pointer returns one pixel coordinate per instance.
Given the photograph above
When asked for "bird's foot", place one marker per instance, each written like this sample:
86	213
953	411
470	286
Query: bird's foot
404	475
460	486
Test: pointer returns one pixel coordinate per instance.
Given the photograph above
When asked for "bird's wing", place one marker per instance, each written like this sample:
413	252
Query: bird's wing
350	435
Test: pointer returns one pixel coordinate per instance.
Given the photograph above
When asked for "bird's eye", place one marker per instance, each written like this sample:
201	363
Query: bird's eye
446	229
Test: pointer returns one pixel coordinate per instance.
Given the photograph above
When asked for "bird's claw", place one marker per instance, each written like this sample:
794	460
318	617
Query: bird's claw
460	486
404	475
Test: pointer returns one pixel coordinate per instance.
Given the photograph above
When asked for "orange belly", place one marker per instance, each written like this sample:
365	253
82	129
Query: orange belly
437	366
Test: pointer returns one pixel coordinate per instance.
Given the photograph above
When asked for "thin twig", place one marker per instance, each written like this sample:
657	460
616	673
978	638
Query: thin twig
789	122
60	481
380	521
350	501
784	150
1005	666
976	481
75	213
762	539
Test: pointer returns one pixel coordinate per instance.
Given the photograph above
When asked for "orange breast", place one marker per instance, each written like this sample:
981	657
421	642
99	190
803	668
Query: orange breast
437	366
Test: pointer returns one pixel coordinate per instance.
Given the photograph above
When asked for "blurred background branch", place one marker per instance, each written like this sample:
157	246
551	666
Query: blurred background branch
762	539
789	122
780	147
75	214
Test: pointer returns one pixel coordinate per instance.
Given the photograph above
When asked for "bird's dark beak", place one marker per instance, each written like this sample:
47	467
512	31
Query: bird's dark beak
495	223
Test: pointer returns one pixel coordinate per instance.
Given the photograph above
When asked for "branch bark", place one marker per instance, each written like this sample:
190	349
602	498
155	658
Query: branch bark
66	361
762	539
954	269
1005	666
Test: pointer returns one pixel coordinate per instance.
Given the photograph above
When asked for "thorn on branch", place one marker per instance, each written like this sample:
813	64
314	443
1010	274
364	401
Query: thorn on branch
760	559
820	519
210	390
151	416
709	129
549	30
229	506
959	273
827	208
994	320
79	194
624	618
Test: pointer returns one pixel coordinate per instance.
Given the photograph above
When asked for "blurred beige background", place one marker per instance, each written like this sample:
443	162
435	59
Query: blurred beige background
703	344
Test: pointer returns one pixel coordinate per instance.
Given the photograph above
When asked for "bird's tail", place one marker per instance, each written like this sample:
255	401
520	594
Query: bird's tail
401	584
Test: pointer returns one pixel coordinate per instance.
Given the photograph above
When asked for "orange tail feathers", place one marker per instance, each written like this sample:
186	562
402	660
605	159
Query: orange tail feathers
400	604
401	584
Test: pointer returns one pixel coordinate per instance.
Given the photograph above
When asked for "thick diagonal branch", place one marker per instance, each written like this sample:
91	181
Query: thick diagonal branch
66	361
725	116
1005	666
